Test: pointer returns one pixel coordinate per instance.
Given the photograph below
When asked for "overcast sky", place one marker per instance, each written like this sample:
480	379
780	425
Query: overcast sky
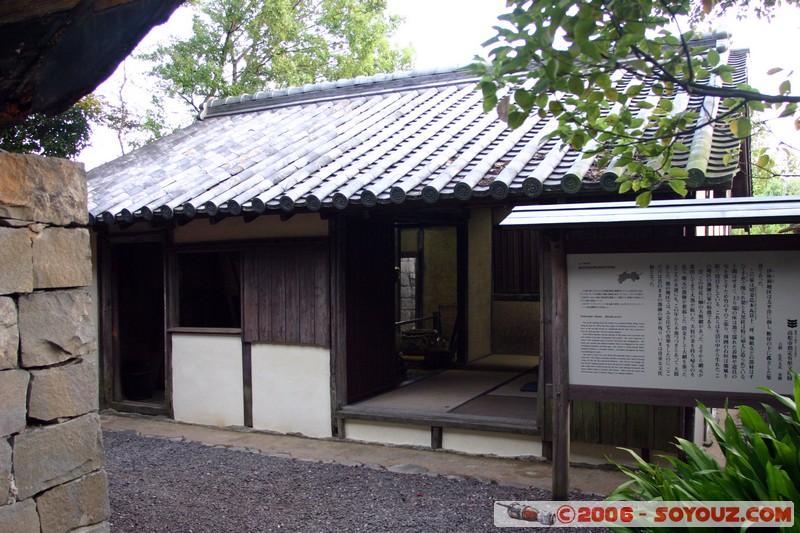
449	33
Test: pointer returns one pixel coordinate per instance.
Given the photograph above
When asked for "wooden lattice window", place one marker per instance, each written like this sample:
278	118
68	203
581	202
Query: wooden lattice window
209	289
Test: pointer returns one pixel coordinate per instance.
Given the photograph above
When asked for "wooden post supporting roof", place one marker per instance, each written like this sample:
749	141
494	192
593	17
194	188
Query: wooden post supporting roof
560	365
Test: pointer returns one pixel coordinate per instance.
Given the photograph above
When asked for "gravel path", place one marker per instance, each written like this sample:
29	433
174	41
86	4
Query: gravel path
159	484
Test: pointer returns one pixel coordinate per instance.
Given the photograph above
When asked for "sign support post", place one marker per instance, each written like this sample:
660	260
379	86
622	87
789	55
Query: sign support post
560	362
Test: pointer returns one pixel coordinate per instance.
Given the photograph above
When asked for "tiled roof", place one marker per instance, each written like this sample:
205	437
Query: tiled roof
392	138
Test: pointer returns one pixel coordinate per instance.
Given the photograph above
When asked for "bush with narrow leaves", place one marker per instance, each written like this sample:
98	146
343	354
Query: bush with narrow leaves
762	463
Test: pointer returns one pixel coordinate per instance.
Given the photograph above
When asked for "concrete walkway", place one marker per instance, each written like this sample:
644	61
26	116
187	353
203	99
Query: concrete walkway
511	472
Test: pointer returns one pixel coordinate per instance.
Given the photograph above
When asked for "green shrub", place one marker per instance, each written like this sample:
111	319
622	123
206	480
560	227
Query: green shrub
762	462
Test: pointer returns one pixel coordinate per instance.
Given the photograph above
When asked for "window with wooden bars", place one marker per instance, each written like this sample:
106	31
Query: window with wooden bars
515	268
209	289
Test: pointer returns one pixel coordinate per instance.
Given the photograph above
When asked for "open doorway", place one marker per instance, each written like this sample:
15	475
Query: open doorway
442	373
139	370
427	299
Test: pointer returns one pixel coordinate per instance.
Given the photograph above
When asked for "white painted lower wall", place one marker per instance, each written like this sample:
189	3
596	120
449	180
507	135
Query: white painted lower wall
458	440
207	383
387	433
489	443
291	389
482	442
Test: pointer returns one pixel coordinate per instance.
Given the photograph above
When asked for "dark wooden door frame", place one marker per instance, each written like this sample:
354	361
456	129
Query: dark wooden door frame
108	326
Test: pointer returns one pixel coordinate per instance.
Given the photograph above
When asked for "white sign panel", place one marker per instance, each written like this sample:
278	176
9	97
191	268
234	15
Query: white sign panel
715	321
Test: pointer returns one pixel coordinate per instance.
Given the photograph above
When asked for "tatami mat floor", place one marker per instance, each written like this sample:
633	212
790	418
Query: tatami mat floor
496	385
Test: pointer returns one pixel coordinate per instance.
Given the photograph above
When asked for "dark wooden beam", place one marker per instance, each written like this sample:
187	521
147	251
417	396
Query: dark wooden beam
560	361
105	293
338	313
545	350
170	277
443	420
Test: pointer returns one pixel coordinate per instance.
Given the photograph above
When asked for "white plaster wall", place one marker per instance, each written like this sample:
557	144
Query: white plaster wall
490	443
480	283
602	454
387	433
263	227
699	429
207	379
291	389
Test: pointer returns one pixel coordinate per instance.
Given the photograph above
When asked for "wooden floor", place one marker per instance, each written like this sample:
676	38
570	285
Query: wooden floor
496	386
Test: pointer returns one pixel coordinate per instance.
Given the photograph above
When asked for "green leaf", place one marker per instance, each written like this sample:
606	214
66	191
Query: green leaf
752	420
515	119
590	49
644	198
551	68
576	85
680	147
774	70
764	161
740	127
634	90
555	107
785	87
713	57
679	186
603	81
584	27
677	172
489	102
789	110
524	99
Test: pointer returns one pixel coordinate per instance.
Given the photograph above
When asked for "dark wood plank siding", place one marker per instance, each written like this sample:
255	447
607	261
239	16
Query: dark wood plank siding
250	297
514	262
306	294
620	424
286	296
322	292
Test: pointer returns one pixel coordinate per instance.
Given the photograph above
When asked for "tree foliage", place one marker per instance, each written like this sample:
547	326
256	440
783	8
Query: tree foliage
244	46
561	57
63	135
132	127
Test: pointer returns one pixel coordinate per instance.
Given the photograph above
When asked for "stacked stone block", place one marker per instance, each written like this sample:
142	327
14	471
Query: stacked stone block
52	476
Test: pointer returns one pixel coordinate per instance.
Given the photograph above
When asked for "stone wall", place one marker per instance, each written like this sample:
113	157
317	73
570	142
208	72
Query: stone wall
52	476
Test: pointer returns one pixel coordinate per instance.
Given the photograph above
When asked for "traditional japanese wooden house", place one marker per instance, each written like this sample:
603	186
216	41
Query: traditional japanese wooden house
252	267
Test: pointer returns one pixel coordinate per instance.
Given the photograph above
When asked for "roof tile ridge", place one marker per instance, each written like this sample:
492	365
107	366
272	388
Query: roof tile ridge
215	106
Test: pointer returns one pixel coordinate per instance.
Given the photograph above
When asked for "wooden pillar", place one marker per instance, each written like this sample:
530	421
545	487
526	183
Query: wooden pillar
171	308
107	322
436	437
336	228
544	403
560	368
